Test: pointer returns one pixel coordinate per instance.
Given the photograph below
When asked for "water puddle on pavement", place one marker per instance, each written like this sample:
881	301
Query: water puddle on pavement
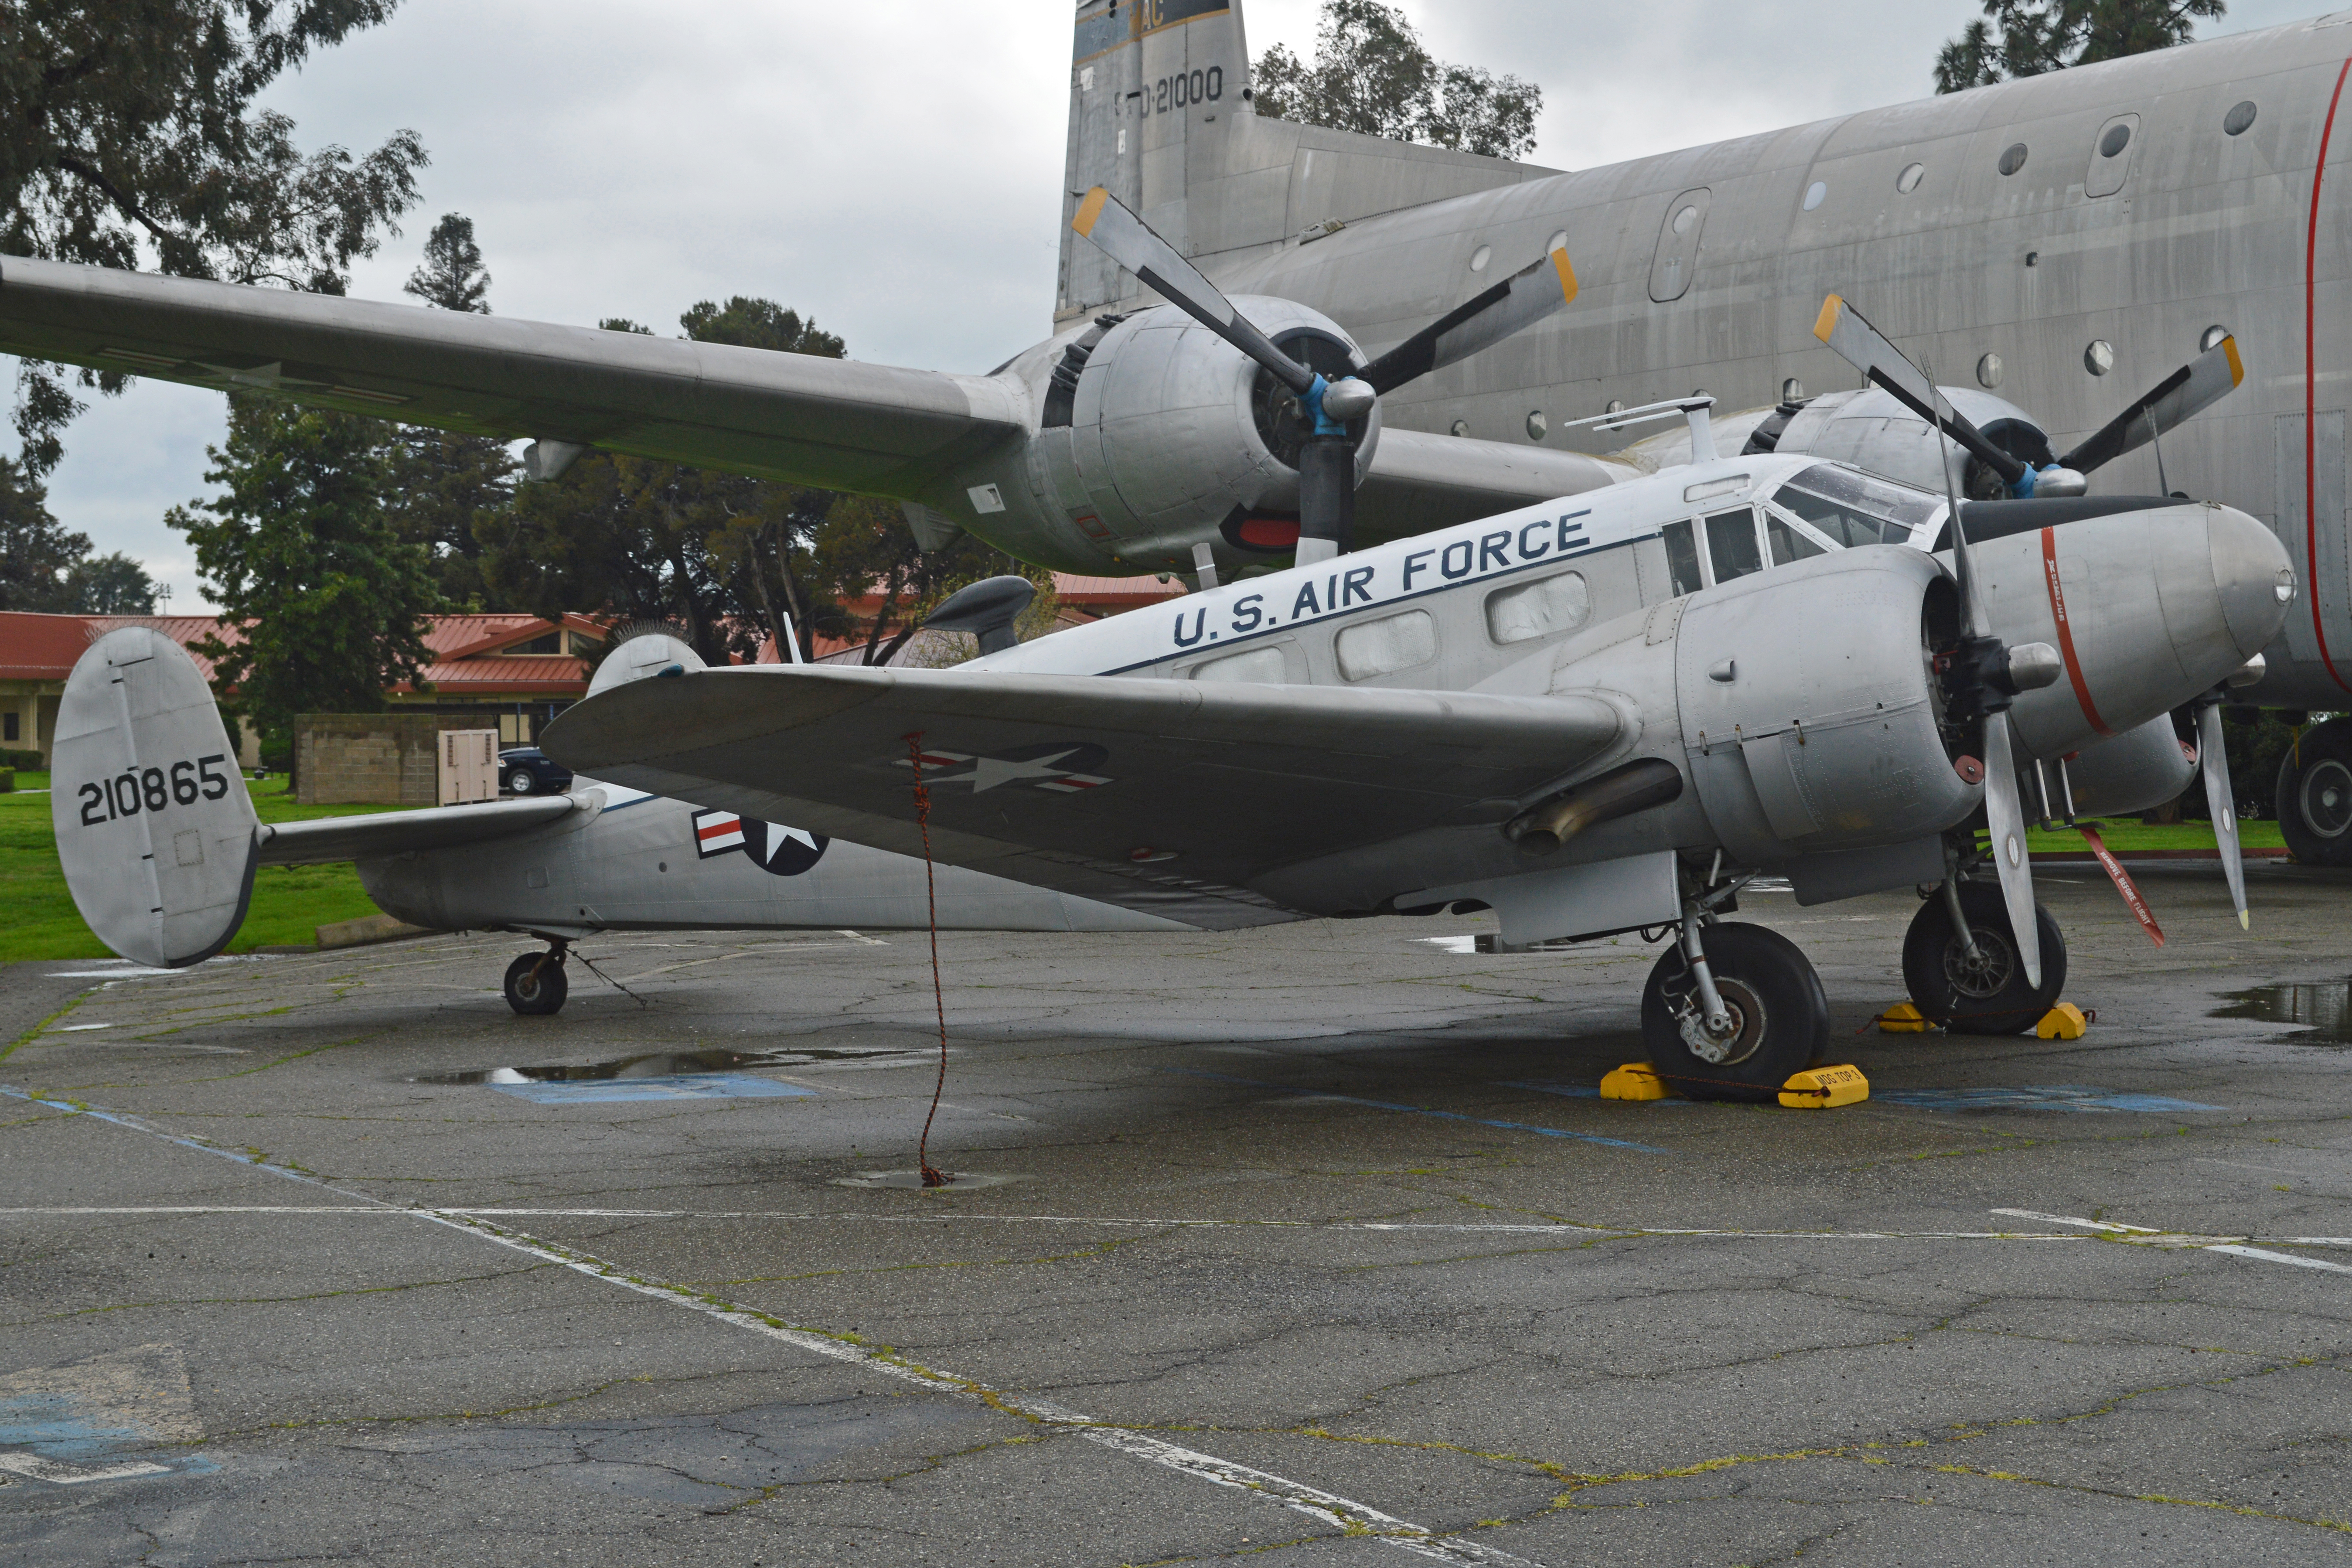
672	1064
2325	1007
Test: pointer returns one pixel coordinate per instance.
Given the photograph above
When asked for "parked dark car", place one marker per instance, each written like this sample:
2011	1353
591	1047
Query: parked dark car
526	770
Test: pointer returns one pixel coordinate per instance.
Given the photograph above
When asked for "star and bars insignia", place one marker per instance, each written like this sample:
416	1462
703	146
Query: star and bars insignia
1059	767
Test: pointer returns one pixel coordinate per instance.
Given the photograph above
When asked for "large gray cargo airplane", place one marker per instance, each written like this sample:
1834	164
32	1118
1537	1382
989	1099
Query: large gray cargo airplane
2063	243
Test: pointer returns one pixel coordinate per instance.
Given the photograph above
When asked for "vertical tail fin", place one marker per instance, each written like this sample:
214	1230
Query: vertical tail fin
154	829
1155	85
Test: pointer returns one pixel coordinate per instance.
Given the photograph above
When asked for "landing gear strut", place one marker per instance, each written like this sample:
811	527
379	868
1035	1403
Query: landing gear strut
1732	1010
1961	963
535	984
2314	796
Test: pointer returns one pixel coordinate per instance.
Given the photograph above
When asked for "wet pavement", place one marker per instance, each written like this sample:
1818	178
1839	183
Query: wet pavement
1310	1243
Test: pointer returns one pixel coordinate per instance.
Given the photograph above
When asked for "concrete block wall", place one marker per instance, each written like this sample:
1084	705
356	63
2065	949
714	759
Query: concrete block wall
380	759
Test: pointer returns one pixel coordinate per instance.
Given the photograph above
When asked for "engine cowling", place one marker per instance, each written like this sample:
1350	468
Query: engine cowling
1871	431
1159	433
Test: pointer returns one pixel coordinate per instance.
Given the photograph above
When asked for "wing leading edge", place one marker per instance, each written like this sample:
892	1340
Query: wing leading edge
1175	796
873	430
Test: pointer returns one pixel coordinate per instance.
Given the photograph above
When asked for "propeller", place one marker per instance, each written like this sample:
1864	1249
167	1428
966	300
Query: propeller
2178	397
1327	463
2221	800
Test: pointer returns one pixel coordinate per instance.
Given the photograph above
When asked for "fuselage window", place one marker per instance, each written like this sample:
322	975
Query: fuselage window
2012	158
1731	542
1383	646
2240	119
1681	557
1259	664
1561	603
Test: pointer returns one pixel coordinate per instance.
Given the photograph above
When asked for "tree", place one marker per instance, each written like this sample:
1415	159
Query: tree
36	550
302	555
444	482
1371	74
134	138
110	585
452	277
2028	37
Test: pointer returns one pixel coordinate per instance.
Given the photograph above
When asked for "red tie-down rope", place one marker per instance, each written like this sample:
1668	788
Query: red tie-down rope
932	1177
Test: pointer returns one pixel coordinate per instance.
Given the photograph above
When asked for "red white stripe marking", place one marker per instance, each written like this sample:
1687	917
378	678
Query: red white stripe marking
2066	632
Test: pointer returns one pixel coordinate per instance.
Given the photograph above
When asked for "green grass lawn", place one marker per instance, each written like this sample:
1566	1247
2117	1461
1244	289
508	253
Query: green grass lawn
2129	833
37	918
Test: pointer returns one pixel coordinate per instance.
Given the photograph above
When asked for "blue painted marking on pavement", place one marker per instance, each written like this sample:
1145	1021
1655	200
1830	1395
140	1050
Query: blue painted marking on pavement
1587	1091
1423	1110
668	1086
2034	1097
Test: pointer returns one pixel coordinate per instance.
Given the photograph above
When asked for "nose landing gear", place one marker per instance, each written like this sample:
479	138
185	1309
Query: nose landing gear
535	985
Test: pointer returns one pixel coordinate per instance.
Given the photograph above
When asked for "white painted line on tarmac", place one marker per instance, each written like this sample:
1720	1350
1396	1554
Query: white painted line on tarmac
58	1472
1342	1513
2141	1236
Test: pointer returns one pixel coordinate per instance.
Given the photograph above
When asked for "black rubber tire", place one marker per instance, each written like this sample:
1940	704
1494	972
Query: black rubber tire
2006	1005
1751	966
2314	796
535	985
520	782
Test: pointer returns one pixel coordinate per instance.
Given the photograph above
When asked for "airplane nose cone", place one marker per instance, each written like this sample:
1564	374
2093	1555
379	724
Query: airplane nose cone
2255	577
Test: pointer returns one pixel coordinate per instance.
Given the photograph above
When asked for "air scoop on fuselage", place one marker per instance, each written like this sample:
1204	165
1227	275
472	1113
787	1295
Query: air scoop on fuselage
2147	607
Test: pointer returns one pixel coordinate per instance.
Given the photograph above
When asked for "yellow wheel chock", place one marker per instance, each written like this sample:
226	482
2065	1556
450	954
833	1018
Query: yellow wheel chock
1823	1088
1903	1019
1635	1081
2064	1022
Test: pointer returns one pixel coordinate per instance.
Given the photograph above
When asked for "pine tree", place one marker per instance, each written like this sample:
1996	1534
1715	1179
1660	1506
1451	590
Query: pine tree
2028	37
300	553
443	482
35	551
1371	74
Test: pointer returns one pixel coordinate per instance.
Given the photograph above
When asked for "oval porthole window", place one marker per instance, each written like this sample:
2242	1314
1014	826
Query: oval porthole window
1460	427
1480	256
1616	405
2100	357
2239	118
1908	180
1989	371
1792	391
1816	194
2210	338
2014	158
1684	218
1557	242
2118	138
1537	425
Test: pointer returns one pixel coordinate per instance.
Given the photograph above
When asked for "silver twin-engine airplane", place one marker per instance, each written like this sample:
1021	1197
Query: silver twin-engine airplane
2054	245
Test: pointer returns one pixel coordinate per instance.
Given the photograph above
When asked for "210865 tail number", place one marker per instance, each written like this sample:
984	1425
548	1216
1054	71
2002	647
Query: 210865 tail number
135	790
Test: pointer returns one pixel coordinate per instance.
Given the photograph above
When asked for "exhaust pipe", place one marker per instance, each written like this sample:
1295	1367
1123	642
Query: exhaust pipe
1543	828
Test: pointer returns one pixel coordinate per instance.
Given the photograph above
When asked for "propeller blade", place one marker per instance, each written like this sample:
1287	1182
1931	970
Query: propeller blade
1105	220
2223	802
2005	817
1520	300
1855	341
2177	399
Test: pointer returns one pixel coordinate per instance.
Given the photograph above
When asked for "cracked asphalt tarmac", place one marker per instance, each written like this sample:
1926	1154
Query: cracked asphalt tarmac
1312	1247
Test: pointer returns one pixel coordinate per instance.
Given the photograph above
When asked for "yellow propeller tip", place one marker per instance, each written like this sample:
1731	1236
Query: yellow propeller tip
1827	321
2245	921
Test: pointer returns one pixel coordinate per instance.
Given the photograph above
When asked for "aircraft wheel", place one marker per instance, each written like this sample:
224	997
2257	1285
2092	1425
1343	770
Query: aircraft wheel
2314	796
1990	997
520	782
1781	1017
535	985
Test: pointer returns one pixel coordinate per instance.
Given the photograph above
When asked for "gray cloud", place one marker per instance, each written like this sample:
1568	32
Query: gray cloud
891	169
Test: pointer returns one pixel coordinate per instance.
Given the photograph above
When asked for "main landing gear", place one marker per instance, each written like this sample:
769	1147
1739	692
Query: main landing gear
2314	794
1732	1010
1960	960
535	983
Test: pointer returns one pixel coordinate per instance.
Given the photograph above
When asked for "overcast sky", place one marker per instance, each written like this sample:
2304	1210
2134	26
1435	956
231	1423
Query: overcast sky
891	168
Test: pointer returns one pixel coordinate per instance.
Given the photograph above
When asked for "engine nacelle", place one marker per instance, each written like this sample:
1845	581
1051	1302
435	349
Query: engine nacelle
2138	771
1809	709
1871	431
1157	433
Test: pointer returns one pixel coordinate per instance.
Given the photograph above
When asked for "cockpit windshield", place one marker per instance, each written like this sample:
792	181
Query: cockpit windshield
1854	508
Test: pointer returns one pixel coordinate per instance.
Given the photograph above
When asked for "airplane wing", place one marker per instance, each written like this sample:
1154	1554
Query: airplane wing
832	423
1419	482
333	838
1174	796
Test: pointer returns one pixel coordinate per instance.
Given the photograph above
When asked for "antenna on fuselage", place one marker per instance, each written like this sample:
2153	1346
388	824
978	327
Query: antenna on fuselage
1696	409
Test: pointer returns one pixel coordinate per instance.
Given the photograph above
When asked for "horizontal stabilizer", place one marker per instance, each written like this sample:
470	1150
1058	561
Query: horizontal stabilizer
333	838
1172	795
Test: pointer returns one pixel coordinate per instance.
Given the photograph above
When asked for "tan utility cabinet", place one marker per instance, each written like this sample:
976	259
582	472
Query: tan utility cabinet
470	767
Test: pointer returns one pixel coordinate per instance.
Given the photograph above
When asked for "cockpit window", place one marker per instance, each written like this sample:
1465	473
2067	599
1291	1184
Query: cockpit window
1731	541
1854	508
